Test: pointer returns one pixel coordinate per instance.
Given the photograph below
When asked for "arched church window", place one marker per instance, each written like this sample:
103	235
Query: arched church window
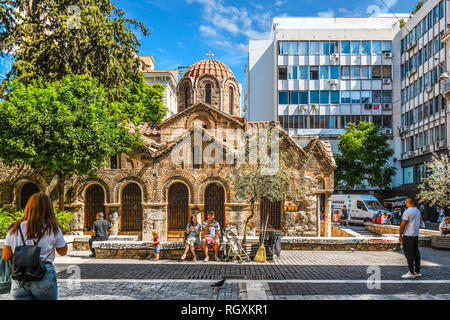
231	100
208	93
186	97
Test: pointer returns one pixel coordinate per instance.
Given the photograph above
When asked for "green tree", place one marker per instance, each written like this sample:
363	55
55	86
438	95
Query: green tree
435	189
65	128
364	157
50	39
418	6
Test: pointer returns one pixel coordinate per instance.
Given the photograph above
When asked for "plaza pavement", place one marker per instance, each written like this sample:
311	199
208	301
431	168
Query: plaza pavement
296	275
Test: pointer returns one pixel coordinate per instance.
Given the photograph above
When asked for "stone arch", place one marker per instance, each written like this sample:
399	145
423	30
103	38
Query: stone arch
201	116
214	200
94	201
82	185
178	200
184	177
213	179
21	183
186	86
123	181
26	190
216	90
131	204
232	93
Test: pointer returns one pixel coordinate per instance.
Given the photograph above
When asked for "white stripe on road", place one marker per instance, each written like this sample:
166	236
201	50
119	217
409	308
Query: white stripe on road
252	281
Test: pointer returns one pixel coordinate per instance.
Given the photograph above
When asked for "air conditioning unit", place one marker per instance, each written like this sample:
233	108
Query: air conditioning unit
368	106
333	82
444	76
410	153
425	148
411	45
334	56
302	107
387	106
313	106
388	55
387	81
387	131
441	144
403	129
429	89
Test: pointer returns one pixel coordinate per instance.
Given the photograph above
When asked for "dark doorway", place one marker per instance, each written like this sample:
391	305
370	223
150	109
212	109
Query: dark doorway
131	208
274	210
215	201
94	203
28	189
178	206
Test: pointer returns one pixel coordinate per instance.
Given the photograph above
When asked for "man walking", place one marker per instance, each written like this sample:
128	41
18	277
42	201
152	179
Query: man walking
101	230
409	235
344	217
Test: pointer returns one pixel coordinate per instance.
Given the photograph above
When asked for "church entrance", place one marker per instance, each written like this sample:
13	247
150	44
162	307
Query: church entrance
27	190
178	209
94	202
274	210
131	208
215	201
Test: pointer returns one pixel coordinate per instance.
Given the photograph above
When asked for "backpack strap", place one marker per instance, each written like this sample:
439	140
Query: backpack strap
21	234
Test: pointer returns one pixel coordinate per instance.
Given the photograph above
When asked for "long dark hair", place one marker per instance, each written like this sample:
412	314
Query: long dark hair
38	214
191	220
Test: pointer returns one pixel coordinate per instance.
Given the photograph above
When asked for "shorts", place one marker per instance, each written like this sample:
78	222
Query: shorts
210	241
157	248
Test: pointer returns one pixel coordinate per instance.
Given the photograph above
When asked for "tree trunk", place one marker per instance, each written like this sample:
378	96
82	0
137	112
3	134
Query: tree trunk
61	193
252	208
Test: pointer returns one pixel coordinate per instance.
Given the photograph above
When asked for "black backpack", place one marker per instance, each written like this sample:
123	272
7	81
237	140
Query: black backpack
26	262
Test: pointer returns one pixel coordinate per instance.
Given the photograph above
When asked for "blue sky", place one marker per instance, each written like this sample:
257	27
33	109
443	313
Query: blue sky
183	31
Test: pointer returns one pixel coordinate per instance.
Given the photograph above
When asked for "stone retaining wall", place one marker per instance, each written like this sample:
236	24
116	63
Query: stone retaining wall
174	250
425	236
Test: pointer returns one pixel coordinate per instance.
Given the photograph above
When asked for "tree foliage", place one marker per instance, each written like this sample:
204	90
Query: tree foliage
435	189
363	158
252	183
51	39
418	6
66	127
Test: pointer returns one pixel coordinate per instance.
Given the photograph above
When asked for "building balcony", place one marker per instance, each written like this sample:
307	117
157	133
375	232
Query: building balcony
446	89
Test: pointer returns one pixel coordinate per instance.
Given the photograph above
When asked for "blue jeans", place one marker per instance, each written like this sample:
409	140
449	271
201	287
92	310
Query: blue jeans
46	289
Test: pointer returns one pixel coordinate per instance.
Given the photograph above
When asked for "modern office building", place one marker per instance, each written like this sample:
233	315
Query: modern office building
422	119
315	75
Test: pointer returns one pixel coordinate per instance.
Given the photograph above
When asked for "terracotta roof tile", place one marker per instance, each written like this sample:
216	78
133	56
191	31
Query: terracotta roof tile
213	67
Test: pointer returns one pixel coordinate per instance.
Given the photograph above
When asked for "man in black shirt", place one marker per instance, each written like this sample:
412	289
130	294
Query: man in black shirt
101	230
344	217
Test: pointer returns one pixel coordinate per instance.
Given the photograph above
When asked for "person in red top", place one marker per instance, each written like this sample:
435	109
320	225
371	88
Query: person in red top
156	244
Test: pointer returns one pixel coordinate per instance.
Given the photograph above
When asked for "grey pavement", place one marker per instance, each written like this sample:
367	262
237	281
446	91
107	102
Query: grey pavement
296	275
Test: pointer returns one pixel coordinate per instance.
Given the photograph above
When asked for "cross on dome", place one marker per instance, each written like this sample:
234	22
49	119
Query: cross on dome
209	54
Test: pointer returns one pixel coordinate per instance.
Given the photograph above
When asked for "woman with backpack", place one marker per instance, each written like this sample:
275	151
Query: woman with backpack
31	243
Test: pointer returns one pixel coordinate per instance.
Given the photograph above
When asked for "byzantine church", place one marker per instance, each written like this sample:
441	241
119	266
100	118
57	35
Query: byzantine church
146	189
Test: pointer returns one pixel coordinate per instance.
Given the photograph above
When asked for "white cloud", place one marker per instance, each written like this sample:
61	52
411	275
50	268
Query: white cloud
207	31
326	14
279	3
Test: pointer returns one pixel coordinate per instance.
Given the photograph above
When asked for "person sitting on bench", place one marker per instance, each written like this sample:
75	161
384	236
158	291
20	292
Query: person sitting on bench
211	229
101	230
444	227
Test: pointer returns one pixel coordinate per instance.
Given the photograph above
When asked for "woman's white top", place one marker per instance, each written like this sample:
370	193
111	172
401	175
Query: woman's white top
48	242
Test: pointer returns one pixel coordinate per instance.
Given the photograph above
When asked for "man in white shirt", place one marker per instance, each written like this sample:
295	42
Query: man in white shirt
444	227
409	235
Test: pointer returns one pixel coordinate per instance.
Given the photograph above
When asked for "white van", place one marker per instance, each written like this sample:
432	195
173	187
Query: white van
360	206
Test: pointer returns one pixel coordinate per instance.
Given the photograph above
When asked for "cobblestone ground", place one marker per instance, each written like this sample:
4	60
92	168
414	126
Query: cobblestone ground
296	275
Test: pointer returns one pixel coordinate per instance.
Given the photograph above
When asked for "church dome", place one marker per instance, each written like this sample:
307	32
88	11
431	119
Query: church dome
213	67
